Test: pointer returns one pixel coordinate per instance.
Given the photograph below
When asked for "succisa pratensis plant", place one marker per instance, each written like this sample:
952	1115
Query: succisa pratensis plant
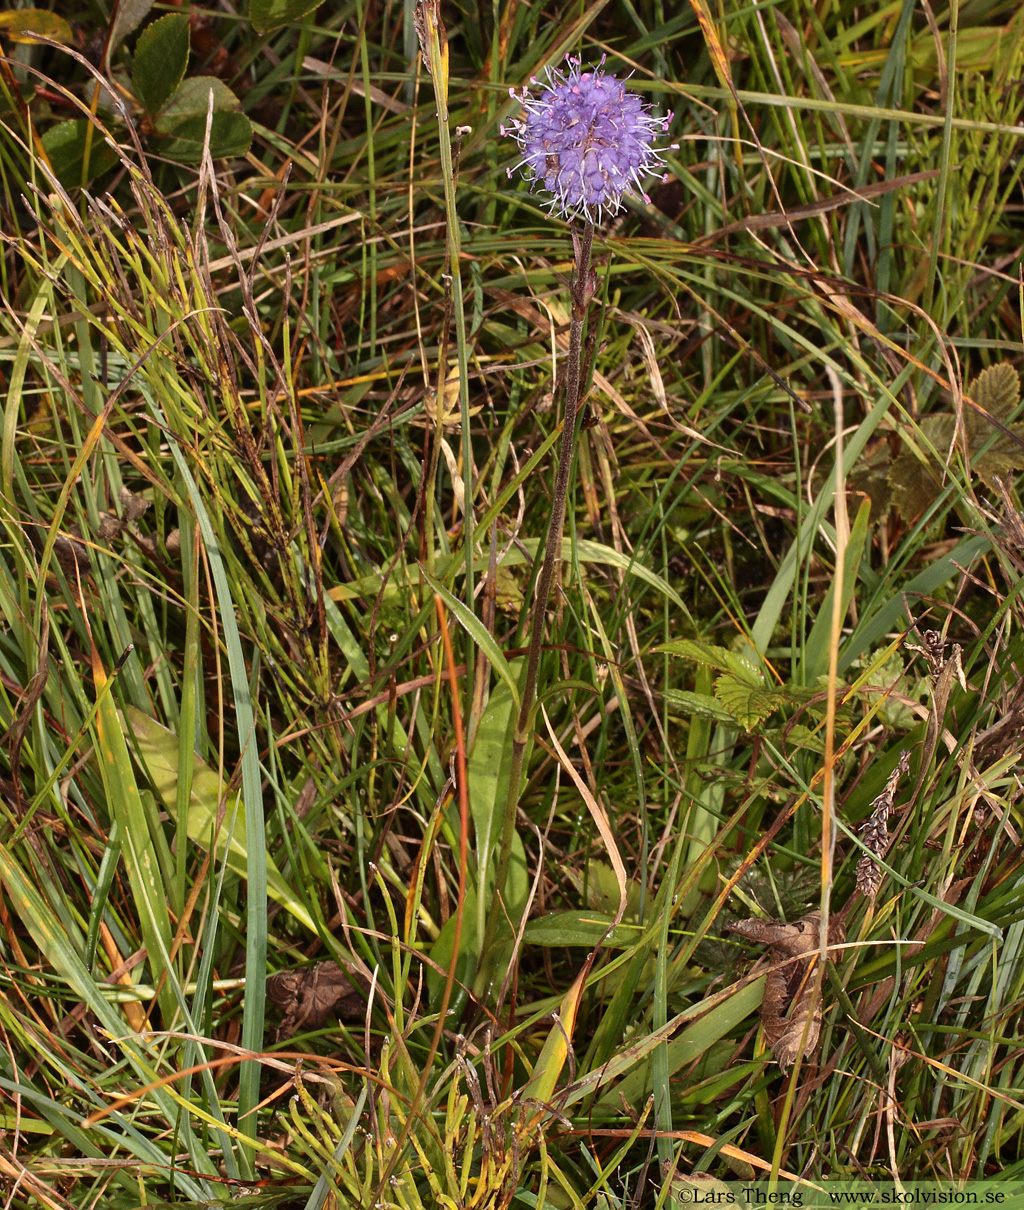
589	143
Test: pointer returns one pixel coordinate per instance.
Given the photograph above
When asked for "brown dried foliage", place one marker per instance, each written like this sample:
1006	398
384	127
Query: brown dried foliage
790	1012
311	996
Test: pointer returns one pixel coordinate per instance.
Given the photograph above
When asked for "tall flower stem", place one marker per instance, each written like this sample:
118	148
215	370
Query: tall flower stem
582	291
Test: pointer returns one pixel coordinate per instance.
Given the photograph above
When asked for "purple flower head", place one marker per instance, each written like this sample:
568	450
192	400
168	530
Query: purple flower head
587	140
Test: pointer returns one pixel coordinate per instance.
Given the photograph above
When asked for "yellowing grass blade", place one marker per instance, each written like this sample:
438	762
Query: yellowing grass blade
158	747
551	1060
719	59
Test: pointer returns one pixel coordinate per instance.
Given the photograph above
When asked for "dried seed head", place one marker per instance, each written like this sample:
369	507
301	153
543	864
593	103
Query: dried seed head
875	831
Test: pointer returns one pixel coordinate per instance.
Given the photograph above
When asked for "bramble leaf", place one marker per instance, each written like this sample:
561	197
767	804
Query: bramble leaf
916	473
748	704
720	658
997	390
699	704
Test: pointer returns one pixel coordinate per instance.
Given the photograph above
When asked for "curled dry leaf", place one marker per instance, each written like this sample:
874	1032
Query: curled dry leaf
133	505
310	996
789	1006
68	549
110	528
72	554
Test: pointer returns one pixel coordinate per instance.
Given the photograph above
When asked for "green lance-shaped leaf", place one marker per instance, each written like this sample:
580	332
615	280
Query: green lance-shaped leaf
816	650
139	848
586	928
158	748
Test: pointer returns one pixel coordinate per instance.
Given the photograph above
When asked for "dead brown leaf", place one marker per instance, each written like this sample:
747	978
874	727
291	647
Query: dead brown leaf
790	1013
310	996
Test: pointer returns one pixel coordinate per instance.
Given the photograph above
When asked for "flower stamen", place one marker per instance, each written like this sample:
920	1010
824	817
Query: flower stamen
587	140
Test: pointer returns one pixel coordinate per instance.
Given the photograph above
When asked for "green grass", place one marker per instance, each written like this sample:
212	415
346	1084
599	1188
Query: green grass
266	609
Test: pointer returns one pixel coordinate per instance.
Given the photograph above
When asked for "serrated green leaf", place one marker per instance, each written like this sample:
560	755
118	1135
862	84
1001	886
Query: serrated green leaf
77	152
160	60
912	487
700	704
938	431
997	390
1005	457
914	474
266	15
871	478
749	705
805	739
720	658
